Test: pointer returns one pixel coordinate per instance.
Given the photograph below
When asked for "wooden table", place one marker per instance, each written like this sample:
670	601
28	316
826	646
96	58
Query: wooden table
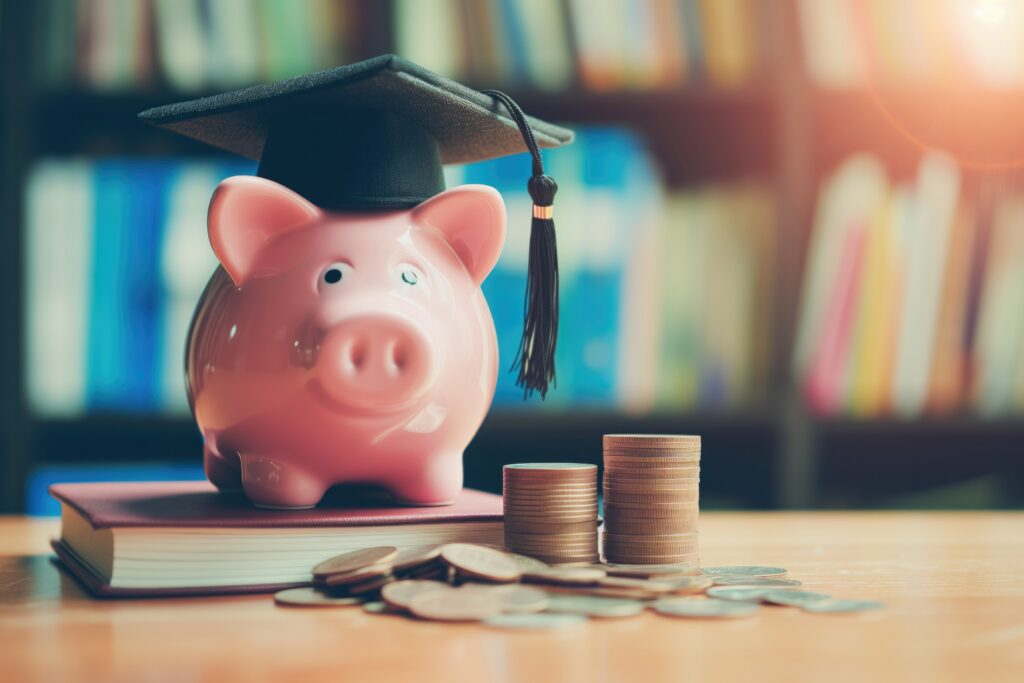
953	584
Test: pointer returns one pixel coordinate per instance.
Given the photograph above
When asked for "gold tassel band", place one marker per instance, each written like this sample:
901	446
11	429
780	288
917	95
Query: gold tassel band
543	211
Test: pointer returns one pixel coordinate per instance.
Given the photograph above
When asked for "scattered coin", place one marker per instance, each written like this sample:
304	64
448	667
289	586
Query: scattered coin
357	576
648	570
744	571
399	594
687	585
378	607
792	598
354	561
413	558
753	581
697	608
481	563
595	607
836	606
515	598
536	622
310	597
527	563
457	604
740	593
565	576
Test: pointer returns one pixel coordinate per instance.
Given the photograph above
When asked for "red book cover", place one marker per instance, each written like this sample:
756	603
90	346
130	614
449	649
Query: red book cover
199	504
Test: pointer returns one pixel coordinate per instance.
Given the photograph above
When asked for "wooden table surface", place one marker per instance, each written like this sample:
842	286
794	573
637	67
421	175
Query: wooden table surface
953	584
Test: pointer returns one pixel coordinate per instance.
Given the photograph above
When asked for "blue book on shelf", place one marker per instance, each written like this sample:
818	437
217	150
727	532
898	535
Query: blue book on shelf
512	27
123	321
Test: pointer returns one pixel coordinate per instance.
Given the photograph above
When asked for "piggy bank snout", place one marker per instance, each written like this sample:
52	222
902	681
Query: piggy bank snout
376	361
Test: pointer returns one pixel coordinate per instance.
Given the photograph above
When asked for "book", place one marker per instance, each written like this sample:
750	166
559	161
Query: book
186	538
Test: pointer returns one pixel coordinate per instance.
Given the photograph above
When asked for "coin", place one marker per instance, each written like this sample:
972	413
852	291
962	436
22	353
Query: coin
594	606
753	581
794	598
358	559
483	563
310	597
745	571
740	593
415	557
536	622
639	584
550	528
369	585
688	585
651	438
836	605
399	594
456	604
568	467
527	563
648	570
361	575
572	576
698	608
515	598
378	607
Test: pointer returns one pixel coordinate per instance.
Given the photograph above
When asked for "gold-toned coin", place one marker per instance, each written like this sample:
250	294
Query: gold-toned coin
577	576
483	563
355	560
357	576
412	558
456	604
399	594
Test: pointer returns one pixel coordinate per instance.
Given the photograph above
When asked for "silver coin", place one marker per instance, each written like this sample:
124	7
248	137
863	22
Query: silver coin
310	597
842	606
740	593
754	581
698	608
744	571
792	598
540	621
378	607
594	607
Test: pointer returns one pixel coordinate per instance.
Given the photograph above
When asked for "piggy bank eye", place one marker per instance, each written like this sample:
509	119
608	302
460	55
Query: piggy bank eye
409	274
335	273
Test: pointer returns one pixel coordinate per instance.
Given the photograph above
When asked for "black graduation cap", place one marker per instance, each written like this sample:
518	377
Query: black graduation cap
374	135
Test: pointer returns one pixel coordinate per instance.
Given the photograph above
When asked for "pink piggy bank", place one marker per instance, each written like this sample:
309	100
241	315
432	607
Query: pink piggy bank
343	347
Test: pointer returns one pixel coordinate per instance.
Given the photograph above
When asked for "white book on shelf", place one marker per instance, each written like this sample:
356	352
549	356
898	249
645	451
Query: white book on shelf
181	42
186	263
548	59
846	197
427	33
934	210
58	264
233	43
999	343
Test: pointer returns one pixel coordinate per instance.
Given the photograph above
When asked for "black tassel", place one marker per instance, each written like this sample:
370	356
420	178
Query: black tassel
535	359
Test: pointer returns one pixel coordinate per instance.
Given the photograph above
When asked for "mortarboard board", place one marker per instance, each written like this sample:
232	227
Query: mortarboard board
374	135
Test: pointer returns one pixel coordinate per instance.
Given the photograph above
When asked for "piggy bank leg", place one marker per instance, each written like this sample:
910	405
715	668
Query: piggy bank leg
437	481
224	472
271	483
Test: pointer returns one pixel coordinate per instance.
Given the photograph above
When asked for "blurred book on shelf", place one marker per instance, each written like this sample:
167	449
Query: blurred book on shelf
189	45
601	45
912	295
666	297
549	45
851	43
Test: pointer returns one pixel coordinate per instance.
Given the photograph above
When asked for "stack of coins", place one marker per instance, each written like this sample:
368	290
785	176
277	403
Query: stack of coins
551	511
651	487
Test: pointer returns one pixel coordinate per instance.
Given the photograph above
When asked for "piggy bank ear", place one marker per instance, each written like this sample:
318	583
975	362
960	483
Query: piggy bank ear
246	212
472	219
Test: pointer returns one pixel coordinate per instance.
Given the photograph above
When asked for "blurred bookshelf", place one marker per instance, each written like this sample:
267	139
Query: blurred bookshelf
731	113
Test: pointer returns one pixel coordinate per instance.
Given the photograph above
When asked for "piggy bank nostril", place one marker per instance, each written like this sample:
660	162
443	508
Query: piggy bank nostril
398	356
356	355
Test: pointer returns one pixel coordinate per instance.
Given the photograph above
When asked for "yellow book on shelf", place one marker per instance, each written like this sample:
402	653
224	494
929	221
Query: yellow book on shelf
866	381
729	41
946	390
